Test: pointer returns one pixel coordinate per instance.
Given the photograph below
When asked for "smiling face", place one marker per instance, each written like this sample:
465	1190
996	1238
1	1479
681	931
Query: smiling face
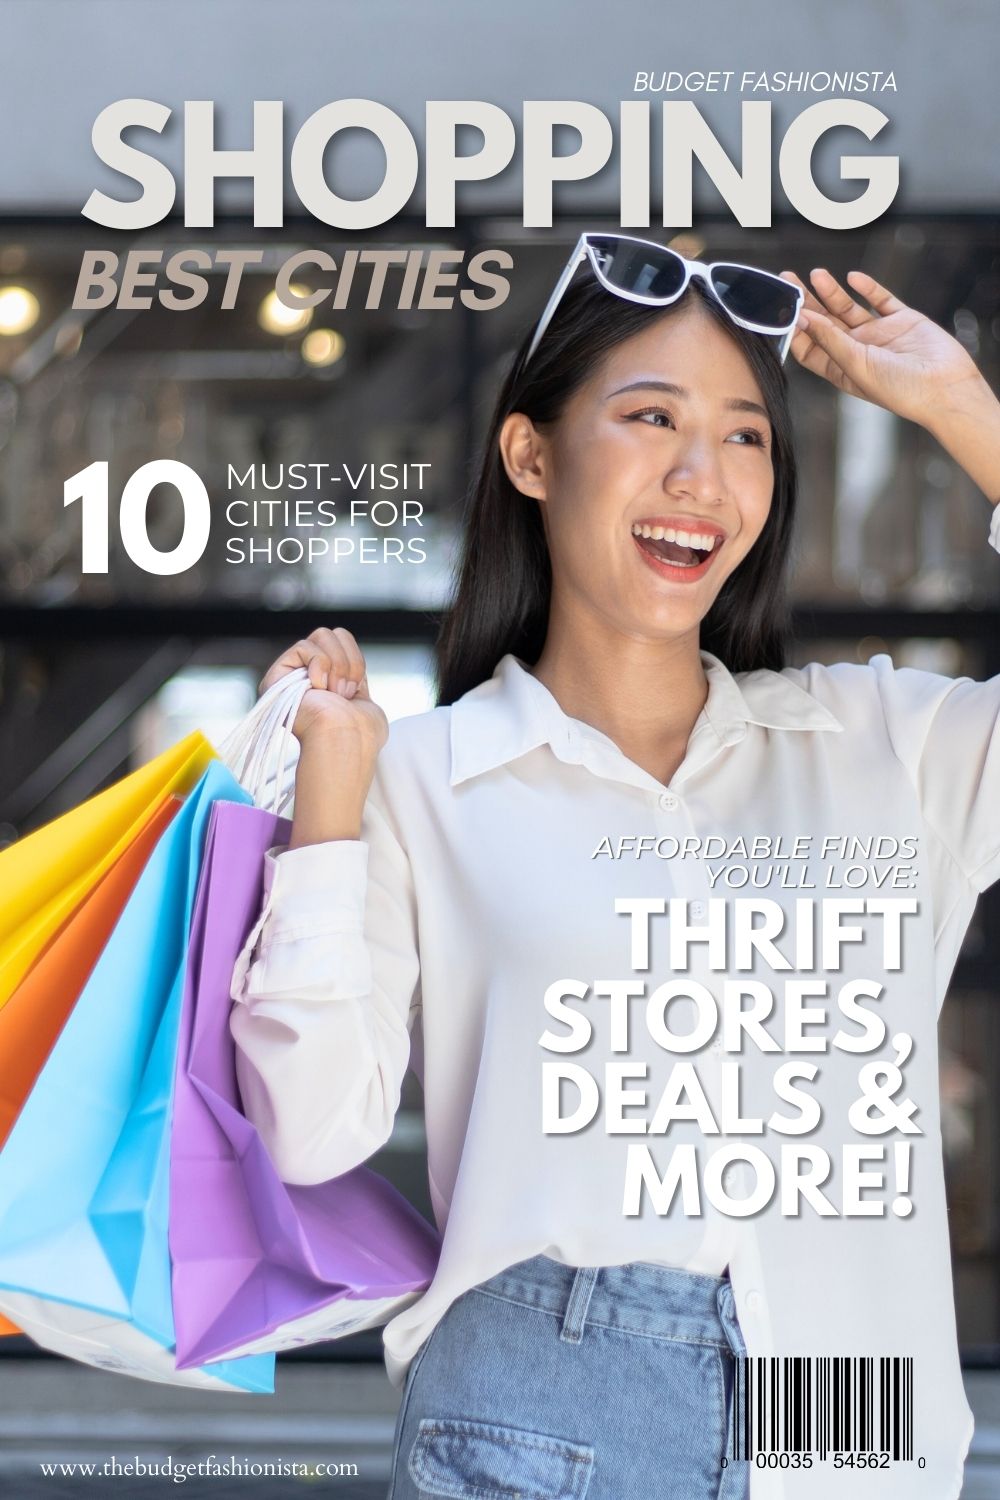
656	480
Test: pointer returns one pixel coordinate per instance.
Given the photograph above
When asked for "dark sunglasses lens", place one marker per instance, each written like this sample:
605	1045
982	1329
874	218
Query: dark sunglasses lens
755	296
645	270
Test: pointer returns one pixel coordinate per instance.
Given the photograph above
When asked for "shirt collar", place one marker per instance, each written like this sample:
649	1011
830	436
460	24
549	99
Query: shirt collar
512	712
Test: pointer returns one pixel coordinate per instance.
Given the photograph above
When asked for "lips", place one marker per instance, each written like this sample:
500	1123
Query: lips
678	549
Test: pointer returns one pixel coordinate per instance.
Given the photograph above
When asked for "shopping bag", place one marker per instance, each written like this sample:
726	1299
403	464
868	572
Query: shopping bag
257	1264
37	1010
46	875
91	1338
84	1175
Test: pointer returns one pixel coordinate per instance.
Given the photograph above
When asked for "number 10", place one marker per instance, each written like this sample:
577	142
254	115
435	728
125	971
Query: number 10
91	486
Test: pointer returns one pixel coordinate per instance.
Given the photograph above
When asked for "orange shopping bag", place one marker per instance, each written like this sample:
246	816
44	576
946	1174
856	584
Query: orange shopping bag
36	1012
45	876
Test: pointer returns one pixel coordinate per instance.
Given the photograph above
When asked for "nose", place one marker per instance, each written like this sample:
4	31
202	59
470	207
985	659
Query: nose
697	471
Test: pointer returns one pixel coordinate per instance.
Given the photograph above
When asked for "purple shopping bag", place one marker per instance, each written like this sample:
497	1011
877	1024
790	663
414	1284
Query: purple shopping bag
257	1264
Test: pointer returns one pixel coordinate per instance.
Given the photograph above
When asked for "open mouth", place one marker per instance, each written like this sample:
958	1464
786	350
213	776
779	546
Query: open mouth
675	546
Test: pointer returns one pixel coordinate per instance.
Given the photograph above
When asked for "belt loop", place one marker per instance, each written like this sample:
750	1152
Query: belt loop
726	1303
736	1475
579	1300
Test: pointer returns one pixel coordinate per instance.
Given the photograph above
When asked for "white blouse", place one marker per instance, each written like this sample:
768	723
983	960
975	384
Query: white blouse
472	928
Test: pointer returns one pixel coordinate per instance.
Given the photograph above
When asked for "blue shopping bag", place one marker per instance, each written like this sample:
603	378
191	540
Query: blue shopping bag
84	1175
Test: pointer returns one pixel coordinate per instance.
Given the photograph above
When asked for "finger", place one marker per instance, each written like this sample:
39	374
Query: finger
361	689
802	346
879	296
810	300
329	642
831	338
834	355
316	662
356	662
838	301
296	656
811	357
318	668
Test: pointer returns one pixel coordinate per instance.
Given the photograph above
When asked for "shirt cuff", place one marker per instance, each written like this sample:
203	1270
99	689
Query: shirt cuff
995	528
319	888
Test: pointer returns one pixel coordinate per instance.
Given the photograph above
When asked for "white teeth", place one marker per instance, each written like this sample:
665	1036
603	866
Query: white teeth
704	541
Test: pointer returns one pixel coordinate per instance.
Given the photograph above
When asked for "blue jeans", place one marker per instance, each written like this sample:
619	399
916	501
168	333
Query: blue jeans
551	1382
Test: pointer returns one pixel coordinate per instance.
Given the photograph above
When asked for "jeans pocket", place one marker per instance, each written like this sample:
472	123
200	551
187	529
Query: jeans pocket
463	1460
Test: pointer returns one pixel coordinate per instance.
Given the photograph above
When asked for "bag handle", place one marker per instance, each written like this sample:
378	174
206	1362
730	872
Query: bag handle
263	739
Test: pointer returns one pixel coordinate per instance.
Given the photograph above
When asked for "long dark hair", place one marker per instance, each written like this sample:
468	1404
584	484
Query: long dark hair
504	574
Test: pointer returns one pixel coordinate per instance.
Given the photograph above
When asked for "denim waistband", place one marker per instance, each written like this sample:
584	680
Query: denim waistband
640	1297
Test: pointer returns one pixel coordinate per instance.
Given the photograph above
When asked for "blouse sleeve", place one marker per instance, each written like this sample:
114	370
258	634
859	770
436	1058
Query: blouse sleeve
326	991
946	733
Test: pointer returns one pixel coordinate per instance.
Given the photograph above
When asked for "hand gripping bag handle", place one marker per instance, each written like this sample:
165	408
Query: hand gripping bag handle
259	751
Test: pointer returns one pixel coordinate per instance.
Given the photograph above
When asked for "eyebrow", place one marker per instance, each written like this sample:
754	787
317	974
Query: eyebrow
735	403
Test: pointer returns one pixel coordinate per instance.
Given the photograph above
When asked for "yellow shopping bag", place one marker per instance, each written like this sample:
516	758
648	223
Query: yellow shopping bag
45	876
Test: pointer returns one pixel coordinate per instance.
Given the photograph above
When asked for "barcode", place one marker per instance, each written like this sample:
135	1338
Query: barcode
823	1404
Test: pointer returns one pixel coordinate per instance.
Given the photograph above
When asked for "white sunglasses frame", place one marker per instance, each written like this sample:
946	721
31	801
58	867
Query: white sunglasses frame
584	250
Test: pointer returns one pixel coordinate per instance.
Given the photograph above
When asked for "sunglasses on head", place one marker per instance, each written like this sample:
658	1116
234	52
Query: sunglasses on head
641	271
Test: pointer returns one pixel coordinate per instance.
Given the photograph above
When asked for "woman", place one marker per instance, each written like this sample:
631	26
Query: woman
488	885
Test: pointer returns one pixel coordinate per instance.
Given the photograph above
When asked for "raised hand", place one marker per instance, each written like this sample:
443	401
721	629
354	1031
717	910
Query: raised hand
884	352
341	731
338	698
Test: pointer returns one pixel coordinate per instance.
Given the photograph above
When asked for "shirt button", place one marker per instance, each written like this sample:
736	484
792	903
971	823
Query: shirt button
716	1046
668	801
697	908
752	1301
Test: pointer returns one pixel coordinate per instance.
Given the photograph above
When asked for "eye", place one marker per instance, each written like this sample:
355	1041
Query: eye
649	415
651	411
